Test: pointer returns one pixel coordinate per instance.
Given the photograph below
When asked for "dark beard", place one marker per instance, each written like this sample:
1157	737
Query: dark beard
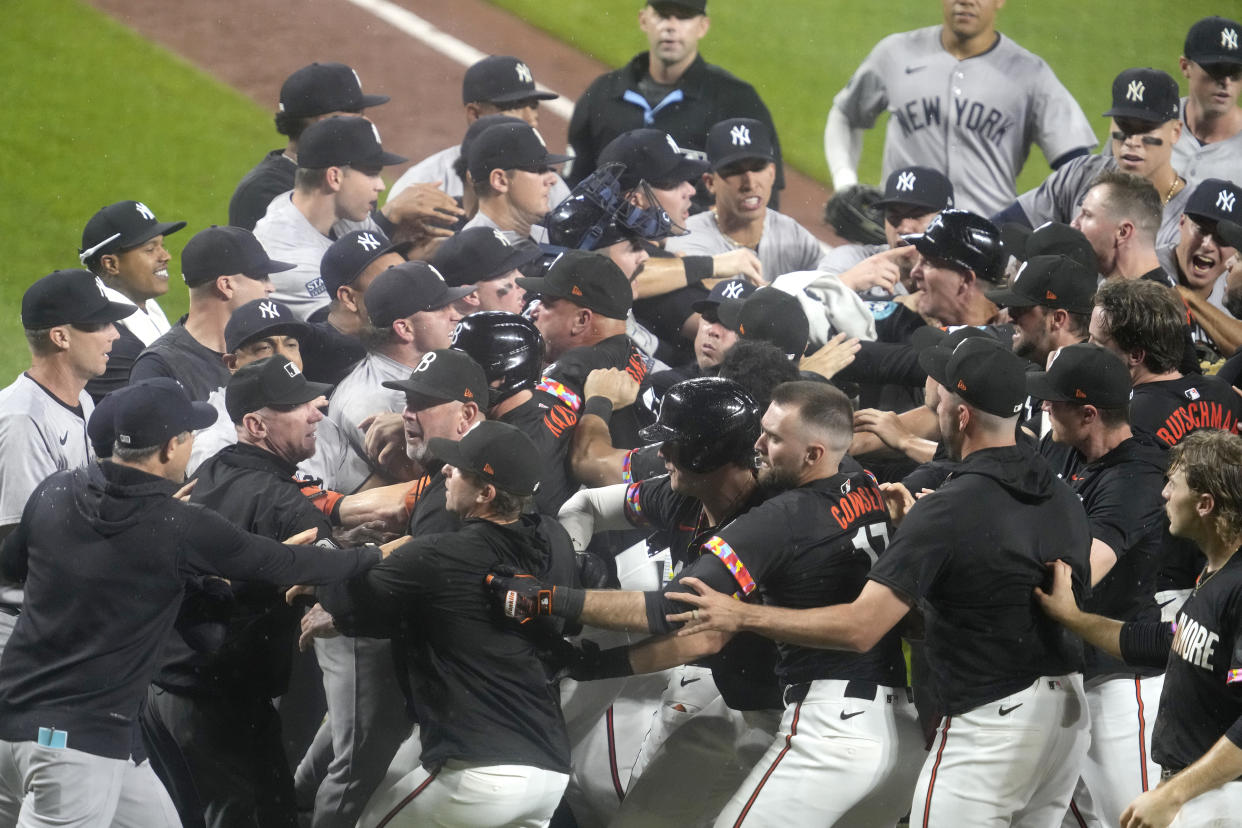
772	481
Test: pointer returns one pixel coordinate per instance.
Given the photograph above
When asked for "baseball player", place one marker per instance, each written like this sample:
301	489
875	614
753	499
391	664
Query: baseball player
1086	392
964	100
123	244
1143	130
1211	62
1196	737
513	175
960	258
310	94
741	153
1010	685
484	257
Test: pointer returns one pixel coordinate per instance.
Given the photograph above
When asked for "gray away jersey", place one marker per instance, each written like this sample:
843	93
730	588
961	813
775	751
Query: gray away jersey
785	247
974	120
38	436
1197	161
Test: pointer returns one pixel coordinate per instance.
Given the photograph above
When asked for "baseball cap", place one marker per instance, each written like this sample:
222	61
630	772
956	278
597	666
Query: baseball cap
480	254
1213	40
1215	199
1082	373
344	141
499	453
653	156
349	255
587	279
1049	281
918	187
442	376
150	414
722	291
271	381
406	289
69	297
982	371
738	139
1052	238
769	315
474	131
322	88
1230	233
930	336
1145	94
696	6
101	427
508	147
964	240
501	79
121	226
224	251
262	318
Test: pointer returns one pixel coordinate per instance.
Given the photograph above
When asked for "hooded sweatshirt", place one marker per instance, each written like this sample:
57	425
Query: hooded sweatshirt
105	553
970	556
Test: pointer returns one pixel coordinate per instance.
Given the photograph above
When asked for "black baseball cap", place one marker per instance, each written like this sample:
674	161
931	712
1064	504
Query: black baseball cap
982	371
739	139
501	79
1145	94
344	141
930	336
406	289
768	315
1215	199
1230	232
588	279
442	376
653	156
480	254
723	291
1052	238
1213	40
322	88
349	255
150	414
224	251
69	297
1083	373
101	427
271	381
499	453
262	318
476	128
964	240
122	226
1051	282
918	187
507	147
696	6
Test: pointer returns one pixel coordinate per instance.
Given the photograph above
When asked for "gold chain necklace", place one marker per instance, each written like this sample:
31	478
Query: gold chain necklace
1177	180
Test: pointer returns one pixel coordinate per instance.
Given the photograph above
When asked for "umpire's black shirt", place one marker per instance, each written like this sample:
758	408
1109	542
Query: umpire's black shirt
971	554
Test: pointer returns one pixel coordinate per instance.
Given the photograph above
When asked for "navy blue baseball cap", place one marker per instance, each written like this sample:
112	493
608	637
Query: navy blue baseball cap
349	255
225	251
1145	94
69	297
918	187
723	291
1215	199
262	318
322	88
101	428
1213	41
480	254
739	139
406	289
653	156
501	79
507	146
122	226
151	414
344	141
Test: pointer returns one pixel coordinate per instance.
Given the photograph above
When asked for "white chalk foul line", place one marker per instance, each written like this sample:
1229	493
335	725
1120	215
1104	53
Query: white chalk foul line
447	45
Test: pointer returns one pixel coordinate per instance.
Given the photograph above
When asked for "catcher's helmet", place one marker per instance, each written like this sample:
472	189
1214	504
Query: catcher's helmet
963	240
705	423
508	346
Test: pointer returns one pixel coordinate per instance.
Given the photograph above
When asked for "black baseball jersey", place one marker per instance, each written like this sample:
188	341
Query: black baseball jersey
429	515
1121	493
266	180
480	689
1202	696
1170	409
970	556
811	547
565	379
537	419
745	668
179	355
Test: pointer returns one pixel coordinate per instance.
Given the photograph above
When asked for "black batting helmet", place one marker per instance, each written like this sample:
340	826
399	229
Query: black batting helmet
705	423
508	346
964	240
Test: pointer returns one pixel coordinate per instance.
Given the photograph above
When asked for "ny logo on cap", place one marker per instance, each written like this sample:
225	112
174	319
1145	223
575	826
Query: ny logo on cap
144	211
99	284
905	182
1229	38
425	362
672	144
739	135
542	142
500	237
375	132
1135	91
523	73
1224	201
367	241
292	370
732	290
268	310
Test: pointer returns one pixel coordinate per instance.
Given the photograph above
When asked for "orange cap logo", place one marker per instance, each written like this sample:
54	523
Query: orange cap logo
961	385
1049	295
576	291
467	394
1079	394
741	329
487	468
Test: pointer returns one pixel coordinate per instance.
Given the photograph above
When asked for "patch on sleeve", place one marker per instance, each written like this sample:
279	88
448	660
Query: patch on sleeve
634	505
721	549
627	476
556	389
1233	677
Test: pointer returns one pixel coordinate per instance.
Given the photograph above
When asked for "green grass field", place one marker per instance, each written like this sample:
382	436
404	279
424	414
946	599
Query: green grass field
95	114
799	53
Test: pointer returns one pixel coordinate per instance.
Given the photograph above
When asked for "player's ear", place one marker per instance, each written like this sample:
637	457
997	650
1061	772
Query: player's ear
254	426
59	336
1177	130
709	181
499	180
230	361
473	113
1125	230
110	264
346	296
1205	504
169	448
469	411
704	23
332	177
1185	67
814	453
582	320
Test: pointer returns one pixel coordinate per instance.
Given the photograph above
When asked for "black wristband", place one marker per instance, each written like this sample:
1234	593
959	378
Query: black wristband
1145	643
614	663
334	515
599	406
567	602
698	268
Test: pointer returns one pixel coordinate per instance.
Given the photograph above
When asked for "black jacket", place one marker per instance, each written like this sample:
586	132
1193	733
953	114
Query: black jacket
104	553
